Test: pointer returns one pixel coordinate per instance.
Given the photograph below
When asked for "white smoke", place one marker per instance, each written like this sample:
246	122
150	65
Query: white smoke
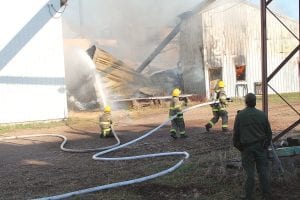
135	25
82	80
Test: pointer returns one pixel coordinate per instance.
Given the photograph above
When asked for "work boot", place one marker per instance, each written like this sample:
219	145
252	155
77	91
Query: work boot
208	126
173	135
183	136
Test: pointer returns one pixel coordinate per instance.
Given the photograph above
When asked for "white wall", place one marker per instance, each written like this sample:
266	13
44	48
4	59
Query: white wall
31	62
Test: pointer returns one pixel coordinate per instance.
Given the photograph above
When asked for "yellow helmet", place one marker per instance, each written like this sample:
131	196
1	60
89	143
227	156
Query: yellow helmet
107	109
221	84
176	92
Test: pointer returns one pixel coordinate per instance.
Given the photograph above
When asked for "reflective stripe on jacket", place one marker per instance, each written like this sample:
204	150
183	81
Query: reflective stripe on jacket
221	96
105	121
175	106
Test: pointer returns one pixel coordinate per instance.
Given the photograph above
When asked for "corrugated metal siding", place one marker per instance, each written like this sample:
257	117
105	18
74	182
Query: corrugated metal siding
232	29
32	63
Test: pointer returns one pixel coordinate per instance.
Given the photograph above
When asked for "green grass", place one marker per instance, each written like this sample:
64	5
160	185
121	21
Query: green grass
5	128
206	177
290	97
79	122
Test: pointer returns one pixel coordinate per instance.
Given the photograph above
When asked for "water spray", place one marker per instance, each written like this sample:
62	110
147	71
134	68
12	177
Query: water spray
99	89
97	80
81	74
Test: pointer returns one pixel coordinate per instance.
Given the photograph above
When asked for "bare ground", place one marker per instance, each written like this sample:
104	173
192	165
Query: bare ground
36	167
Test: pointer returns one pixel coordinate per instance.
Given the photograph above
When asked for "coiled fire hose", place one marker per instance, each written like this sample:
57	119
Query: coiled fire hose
114	148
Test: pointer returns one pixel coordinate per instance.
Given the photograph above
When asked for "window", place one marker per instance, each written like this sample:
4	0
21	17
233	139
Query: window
240	72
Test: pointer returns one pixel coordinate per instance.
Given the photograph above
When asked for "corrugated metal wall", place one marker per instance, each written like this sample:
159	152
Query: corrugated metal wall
31	62
231	35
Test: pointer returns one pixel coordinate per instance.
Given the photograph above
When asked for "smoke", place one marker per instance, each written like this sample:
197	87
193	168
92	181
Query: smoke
136	26
82	81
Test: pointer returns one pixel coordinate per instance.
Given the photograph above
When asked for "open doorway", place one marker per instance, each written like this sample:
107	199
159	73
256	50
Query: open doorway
214	74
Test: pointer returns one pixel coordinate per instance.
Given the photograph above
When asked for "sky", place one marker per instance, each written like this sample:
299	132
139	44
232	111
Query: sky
287	7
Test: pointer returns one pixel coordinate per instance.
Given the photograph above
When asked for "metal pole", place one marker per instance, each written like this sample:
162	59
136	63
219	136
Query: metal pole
264	62
173	33
283	99
269	2
283	63
296	123
160	47
282	23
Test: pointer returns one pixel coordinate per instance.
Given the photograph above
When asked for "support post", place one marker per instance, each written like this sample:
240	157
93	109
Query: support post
264	62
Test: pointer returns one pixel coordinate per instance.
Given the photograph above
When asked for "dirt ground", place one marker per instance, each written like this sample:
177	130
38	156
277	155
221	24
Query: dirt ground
36	167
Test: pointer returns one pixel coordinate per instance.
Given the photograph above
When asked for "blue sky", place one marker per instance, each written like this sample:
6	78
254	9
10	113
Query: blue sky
287	7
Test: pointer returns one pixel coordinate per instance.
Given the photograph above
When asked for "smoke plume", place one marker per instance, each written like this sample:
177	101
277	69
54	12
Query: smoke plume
135	26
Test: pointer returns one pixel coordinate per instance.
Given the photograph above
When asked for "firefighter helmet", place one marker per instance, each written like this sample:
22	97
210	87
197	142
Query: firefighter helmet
176	92
107	109
221	84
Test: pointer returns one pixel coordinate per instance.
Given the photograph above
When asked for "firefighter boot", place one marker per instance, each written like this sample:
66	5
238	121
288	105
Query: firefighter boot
208	126
183	135
173	134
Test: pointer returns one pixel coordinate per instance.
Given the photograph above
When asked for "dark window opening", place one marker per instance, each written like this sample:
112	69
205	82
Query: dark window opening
240	72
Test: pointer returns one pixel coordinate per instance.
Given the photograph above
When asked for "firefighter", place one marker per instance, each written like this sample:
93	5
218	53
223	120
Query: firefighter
252	135
105	123
175	109
219	109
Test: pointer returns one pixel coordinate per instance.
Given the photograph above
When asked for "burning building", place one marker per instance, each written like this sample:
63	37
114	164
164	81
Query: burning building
213	44
223	42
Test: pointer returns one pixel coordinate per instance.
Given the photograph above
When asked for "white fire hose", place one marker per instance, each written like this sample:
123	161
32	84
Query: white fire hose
114	148
64	138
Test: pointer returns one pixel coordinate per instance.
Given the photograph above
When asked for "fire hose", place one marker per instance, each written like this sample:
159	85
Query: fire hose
64	138
105	150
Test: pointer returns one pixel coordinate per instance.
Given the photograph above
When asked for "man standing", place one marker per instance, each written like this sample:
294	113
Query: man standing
251	136
175	109
219	109
105	122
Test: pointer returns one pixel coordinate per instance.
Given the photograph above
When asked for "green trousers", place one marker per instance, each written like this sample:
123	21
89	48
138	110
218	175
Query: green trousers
178	124
217	114
255	155
107	132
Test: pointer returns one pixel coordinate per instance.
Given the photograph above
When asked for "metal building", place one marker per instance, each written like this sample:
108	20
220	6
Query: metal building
32	70
223	42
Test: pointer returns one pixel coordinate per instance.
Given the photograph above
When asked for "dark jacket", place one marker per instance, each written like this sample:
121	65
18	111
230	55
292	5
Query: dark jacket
251	126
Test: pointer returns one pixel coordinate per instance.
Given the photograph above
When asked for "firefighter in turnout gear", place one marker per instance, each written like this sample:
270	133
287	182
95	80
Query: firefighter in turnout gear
105	122
252	135
219	109
175	109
